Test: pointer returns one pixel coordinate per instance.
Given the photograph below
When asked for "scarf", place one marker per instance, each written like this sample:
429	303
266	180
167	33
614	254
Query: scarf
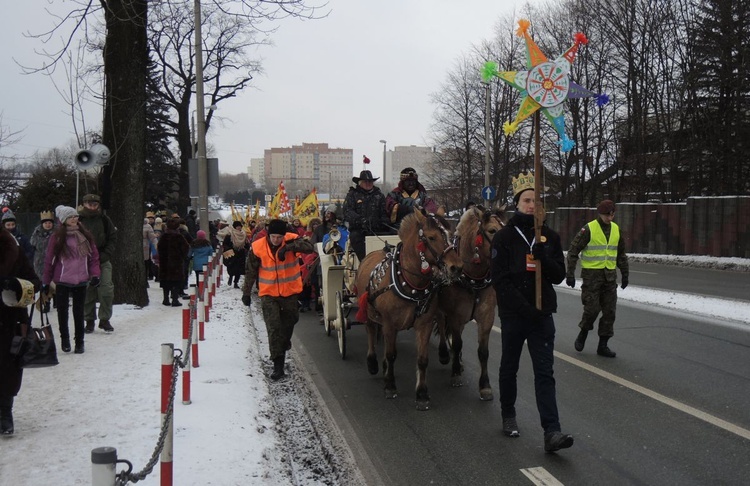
239	238
83	245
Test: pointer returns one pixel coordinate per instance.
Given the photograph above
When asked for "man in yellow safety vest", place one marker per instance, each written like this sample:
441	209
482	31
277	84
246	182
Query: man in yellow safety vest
602	251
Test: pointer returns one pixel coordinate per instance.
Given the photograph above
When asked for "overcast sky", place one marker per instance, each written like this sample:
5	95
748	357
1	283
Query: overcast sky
362	74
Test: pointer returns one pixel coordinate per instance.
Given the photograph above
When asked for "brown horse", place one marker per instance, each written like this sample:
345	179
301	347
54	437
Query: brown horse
397	290
472	296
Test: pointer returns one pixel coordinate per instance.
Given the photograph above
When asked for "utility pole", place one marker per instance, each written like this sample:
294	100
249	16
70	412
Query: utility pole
202	164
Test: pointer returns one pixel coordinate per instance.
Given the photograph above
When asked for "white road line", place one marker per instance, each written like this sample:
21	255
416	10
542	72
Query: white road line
647	273
540	476
699	414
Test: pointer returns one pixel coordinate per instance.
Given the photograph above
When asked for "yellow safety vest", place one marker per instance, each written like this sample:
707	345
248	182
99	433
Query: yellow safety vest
600	253
275	278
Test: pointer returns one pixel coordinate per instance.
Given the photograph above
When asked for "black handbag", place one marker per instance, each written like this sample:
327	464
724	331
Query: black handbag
35	347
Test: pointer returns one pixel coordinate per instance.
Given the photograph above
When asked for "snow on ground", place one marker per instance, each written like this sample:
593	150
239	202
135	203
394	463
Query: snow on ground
240	429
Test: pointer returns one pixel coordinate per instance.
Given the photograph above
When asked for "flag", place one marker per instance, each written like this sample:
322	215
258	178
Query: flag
365	159
308	208
256	212
284	206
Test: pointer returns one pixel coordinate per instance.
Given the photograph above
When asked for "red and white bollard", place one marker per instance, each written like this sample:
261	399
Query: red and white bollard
199	314
167	365
221	269
186	369
209	297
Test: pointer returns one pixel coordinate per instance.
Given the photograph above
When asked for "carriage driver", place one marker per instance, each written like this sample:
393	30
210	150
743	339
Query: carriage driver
279	283
364	211
409	194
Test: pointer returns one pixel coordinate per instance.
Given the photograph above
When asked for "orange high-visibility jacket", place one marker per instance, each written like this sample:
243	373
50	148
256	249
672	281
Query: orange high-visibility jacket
276	278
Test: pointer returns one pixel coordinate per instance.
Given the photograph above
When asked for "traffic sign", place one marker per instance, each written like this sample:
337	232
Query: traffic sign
488	193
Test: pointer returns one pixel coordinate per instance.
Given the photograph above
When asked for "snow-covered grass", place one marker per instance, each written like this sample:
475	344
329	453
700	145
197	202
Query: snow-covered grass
239	429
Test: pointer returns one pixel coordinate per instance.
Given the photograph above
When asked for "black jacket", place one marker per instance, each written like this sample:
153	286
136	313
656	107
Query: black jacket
365	211
514	285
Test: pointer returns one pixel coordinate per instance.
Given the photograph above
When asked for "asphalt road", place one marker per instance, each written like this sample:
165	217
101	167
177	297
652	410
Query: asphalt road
672	408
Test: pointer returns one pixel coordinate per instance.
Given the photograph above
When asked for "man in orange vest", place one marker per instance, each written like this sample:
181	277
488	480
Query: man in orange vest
273	262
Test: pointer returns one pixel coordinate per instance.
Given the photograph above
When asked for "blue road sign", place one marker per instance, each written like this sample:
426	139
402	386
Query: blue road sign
488	193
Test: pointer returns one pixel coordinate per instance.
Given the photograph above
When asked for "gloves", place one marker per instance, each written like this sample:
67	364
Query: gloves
94	282
246	300
624	283
532	314
407	202
539	250
282	252
363	223
571	282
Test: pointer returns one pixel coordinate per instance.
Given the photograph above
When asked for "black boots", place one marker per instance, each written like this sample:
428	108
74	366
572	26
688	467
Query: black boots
603	349
6	416
166	297
65	344
278	368
556	440
79	347
510	427
581	340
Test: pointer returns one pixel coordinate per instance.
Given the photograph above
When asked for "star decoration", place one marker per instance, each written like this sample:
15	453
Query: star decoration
544	86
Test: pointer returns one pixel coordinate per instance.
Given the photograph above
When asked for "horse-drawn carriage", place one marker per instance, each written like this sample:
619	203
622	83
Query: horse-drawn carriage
338	265
427	278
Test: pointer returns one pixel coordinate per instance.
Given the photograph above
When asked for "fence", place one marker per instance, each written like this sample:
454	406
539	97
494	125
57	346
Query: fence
104	459
712	226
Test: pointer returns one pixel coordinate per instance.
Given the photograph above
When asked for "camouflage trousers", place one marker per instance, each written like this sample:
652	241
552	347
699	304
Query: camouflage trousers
280	315
599	295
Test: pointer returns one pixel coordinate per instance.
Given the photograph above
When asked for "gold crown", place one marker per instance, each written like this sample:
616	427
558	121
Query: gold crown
47	216
524	181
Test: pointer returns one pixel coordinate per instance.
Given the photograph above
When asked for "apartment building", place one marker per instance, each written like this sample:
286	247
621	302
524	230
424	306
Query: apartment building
402	156
309	165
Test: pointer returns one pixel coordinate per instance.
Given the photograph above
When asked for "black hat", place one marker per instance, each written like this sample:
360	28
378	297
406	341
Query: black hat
277	227
365	175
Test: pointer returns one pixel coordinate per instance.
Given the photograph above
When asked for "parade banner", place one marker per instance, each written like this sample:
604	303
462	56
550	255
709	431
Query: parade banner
308	208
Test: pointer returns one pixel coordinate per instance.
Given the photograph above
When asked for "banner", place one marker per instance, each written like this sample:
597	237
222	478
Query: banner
280	203
308	208
256	211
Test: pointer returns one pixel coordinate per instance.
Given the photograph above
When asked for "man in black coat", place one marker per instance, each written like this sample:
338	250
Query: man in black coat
515	255
364	211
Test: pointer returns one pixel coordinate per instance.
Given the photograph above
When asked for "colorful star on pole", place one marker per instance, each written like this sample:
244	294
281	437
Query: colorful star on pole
544	86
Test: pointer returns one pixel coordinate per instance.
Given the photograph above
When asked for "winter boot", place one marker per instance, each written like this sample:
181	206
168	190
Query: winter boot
603	349
176	298
65	344
278	368
105	326
79	347
581	340
89	327
6	416
166	297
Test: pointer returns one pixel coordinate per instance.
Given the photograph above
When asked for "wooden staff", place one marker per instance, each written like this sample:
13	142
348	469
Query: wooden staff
538	209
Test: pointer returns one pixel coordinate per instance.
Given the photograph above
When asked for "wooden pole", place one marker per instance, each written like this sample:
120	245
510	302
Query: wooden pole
538	209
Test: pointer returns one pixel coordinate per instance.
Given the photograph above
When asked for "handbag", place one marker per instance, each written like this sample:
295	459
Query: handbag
229	253
35	347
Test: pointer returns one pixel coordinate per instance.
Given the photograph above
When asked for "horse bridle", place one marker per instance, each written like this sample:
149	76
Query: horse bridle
423	239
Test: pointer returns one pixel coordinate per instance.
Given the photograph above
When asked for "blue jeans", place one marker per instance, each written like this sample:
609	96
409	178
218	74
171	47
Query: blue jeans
540	338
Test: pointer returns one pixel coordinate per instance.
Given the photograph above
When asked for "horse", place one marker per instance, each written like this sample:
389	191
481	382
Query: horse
397	289
472	296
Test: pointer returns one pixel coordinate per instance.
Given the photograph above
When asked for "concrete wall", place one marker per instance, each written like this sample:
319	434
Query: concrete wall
712	226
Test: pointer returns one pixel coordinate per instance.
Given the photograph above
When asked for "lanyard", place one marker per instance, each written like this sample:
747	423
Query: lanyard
526	239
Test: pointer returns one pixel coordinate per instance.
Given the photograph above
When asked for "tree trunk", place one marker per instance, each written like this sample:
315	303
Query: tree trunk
124	132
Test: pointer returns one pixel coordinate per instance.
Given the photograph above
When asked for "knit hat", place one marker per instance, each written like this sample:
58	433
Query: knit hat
158	221
64	212
47	216
8	216
277	227
606	207
331	208
201	235
92	198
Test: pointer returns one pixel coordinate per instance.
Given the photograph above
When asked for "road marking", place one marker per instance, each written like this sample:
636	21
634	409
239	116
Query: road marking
699	414
540	476
647	273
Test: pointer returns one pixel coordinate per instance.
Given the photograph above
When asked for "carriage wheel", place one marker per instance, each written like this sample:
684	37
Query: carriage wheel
341	324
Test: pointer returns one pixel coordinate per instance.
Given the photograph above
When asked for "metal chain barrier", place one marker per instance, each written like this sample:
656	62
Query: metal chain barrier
124	477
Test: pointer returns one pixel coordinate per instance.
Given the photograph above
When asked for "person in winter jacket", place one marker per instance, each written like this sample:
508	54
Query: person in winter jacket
172	251
236	241
201	251
72	264
297	227
9	222
13	265
409	193
273	262
40	240
149	246
364	211
515	256
105	236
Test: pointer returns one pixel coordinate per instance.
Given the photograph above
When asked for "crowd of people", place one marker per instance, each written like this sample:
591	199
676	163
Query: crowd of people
68	258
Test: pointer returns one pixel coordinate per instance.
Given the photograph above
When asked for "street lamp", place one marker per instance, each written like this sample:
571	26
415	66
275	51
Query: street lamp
384	180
